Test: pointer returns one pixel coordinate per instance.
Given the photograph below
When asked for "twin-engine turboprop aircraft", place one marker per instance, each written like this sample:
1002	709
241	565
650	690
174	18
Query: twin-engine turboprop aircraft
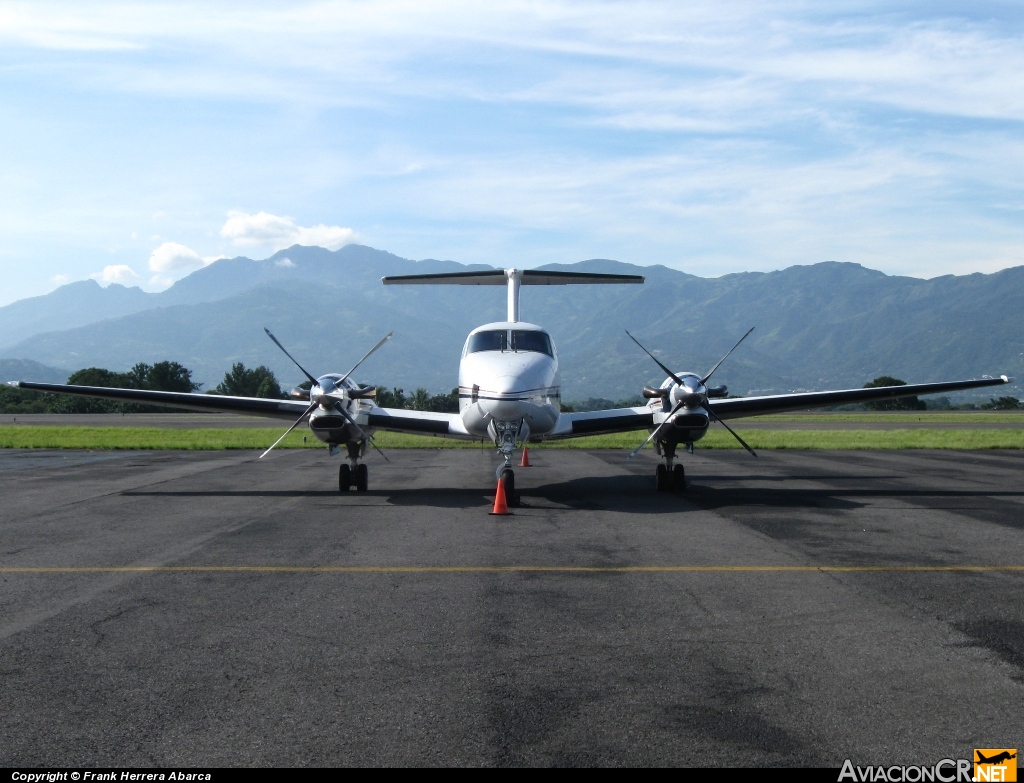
509	393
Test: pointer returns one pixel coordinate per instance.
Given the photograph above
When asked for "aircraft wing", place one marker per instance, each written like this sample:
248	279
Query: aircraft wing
447	425
441	425
576	425
783	403
250	406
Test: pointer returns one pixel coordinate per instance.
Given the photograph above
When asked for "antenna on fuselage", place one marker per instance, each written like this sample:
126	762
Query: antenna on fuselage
512	279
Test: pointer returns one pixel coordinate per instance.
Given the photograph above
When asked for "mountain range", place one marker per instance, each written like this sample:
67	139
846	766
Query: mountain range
826	325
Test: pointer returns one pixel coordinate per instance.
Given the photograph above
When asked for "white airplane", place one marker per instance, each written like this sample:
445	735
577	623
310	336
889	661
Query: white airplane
509	393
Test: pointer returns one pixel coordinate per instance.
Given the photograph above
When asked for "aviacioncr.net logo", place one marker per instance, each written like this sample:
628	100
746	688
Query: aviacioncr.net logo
995	764
945	771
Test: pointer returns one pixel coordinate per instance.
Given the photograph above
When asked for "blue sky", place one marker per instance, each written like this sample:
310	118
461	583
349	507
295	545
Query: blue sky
140	141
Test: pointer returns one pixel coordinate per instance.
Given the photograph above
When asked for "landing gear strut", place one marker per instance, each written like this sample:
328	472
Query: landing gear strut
354	473
506	435
669	477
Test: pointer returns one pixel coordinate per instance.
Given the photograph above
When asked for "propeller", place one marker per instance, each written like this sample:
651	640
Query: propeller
278	344
712	370
305	413
666	393
654	434
369	353
733	432
336	385
668	372
341	409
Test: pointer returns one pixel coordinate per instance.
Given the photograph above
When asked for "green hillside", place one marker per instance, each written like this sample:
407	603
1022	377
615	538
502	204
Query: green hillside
828	325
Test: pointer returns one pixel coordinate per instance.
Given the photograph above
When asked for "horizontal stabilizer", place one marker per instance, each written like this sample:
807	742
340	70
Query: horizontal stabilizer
500	277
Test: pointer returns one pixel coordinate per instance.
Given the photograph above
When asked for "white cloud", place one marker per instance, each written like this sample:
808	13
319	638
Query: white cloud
116	273
713	137
172	260
274	231
61	279
287	263
172	257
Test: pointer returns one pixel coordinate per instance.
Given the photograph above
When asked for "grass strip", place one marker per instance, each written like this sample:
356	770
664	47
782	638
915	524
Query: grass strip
155	438
895	418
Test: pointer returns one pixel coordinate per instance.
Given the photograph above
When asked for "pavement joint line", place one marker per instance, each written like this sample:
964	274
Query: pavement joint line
499	569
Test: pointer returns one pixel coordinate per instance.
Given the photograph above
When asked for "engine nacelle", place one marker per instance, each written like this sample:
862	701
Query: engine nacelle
298	393
717	392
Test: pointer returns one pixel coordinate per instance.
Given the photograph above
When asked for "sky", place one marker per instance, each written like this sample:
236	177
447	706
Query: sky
140	141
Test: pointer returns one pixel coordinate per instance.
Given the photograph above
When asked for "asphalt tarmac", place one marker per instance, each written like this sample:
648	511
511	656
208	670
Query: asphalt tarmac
250	614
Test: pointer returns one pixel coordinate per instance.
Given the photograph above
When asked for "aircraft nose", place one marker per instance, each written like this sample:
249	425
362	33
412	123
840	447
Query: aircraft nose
506	384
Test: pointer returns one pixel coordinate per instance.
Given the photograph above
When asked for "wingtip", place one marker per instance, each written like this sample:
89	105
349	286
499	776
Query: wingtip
15	384
1007	379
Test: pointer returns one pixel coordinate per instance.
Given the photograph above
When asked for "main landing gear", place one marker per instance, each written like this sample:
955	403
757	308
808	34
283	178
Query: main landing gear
670	477
353	473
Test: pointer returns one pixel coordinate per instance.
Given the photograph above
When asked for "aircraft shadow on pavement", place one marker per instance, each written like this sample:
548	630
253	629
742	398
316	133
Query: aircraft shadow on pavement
630	493
798	477
716	497
445	497
235	493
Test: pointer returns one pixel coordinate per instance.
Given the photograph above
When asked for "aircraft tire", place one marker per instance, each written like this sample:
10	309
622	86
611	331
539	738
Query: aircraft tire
344	477
661	478
362	478
508	478
679	479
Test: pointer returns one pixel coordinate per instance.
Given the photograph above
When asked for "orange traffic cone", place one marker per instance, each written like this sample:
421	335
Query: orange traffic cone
526	458
500	505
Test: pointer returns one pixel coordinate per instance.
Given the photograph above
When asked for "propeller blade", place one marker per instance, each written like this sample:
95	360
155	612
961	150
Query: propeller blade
341	409
278	344
296	424
657	429
712	371
743	443
387	337
670	374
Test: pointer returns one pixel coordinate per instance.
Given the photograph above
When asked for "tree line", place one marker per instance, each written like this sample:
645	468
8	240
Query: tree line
241	381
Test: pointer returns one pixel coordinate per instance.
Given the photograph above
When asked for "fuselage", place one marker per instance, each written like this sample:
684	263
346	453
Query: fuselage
509	375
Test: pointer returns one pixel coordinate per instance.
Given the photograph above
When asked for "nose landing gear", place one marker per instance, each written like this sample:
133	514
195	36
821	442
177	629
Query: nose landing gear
671	476
506	433
508	479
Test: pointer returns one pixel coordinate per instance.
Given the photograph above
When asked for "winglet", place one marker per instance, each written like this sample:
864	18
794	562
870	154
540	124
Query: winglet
15	384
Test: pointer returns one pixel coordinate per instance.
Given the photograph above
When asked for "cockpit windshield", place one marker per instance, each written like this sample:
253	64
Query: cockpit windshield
496	340
513	340
538	342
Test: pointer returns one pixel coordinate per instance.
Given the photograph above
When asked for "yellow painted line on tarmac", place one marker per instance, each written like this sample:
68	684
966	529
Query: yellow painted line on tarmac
498	569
